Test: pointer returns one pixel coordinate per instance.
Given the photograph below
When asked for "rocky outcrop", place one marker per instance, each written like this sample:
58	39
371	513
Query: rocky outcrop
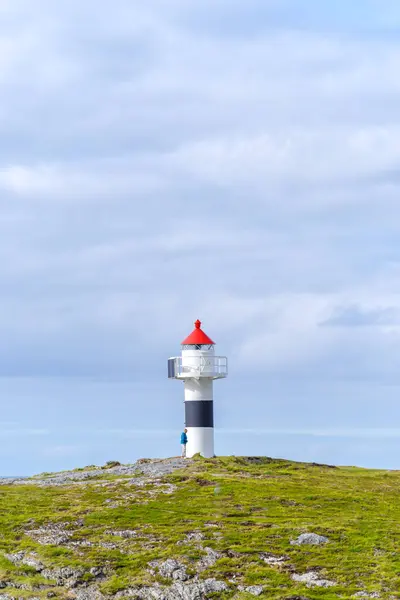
52	534
149	468
312	579
254	590
273	560
88	593
194	537
170	569
192	590
64	576
310	539
208	560
28	559
125	534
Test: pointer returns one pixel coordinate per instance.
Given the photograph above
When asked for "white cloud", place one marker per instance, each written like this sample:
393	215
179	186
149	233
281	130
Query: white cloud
328	156
168	162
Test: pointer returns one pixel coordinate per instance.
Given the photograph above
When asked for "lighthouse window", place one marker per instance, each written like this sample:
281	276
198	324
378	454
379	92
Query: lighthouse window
197	347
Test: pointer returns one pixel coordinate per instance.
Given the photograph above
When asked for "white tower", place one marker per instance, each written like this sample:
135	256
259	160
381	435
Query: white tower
197	368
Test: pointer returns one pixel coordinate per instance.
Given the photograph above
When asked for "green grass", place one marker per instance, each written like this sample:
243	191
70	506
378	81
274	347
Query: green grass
258	508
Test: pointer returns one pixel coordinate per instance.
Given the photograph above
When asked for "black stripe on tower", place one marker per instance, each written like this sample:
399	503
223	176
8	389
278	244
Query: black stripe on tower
199	413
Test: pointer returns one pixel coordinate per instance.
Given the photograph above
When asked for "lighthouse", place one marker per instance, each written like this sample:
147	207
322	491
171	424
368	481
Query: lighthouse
197	367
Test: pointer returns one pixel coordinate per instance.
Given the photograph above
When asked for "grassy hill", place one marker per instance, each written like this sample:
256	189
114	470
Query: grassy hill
227	523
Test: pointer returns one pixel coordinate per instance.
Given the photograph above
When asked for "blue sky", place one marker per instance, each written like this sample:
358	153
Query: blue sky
237	162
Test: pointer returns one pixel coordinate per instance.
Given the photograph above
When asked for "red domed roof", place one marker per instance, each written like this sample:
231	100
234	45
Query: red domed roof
197	337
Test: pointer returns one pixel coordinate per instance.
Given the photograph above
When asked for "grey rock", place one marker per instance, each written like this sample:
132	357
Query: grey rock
108	545
311	539
138	482
32	561
180	575
208	560
194	590
170	569
9	597
367	595
312	579
173	568
20	586
15	558
150	467
65	576
169	488
193	536
129	593
273	560
164	488
54	534
255	590
159	468
111	503
80	544
125	534
29	559
89	593
97	572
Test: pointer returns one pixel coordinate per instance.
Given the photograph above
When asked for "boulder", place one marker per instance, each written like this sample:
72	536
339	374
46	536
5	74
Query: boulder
170	569
310	539
194	590
208	560
23	558
255	590
65	576
312	579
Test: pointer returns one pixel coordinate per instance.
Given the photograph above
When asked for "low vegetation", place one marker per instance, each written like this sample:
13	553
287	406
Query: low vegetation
244	513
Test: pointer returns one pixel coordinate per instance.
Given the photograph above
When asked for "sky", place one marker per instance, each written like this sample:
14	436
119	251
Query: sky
236	162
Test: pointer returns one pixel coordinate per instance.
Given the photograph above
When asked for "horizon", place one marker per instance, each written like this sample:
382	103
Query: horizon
232	162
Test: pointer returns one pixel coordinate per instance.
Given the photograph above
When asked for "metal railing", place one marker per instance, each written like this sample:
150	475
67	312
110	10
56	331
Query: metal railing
213	367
